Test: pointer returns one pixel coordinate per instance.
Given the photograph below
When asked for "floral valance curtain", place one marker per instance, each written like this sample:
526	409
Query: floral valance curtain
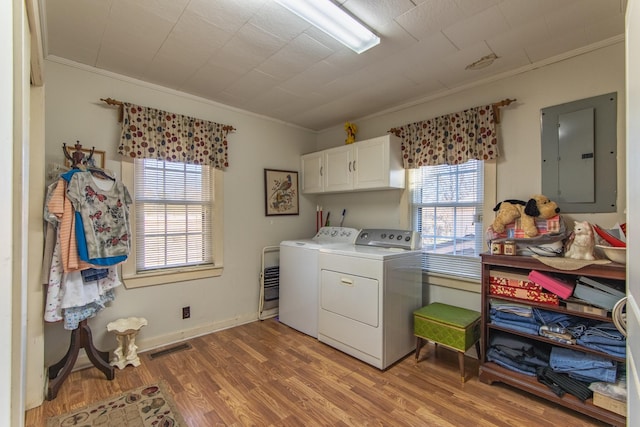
450	139
155	134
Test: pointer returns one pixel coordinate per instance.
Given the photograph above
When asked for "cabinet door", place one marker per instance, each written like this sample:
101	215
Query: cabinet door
312	173
377	163
372	163
338	169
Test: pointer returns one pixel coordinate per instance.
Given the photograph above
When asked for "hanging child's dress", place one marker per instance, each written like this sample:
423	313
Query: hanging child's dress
91	218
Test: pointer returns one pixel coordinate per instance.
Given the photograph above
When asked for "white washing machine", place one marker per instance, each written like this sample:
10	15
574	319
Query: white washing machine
298	298
368	293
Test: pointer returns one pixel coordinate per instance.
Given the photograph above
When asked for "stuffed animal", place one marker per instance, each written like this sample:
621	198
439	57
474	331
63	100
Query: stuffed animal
581	242
538	206
351	130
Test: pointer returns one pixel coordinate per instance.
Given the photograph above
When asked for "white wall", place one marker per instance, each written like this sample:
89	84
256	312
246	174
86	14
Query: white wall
74	112
633	211
6	215
518	169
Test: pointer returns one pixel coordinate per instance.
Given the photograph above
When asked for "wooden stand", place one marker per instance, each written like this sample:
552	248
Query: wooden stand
490	372
80	338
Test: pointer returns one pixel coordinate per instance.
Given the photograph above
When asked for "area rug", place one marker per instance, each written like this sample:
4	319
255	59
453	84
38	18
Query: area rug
146	406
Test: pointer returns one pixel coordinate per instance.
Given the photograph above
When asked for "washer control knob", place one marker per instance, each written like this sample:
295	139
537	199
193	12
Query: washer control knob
399	237
406	239
391	236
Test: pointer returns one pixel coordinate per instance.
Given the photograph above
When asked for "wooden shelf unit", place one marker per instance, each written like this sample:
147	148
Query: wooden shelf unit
491	372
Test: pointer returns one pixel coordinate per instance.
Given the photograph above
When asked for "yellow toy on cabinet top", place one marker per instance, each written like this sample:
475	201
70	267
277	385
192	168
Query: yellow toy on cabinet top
538	206
351	130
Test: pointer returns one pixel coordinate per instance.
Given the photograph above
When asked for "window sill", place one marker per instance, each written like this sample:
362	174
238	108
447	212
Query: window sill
168	276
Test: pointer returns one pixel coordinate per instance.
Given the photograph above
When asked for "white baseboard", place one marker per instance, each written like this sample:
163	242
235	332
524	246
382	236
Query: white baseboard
152	343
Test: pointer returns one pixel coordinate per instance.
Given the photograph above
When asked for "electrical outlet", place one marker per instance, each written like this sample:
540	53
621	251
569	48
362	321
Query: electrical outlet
186	312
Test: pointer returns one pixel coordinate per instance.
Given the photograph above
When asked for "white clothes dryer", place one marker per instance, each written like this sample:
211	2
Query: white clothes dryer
298	299
368	293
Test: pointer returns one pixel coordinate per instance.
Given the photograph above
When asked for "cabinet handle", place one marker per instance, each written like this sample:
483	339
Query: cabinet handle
346	282
354	165
321	172
349	166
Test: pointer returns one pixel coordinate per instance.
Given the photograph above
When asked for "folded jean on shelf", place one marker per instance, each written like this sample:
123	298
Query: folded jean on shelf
515	308
608	375
546	317
604	333
566	360
527	328
493	355
581	365
505	315
562	336
612	350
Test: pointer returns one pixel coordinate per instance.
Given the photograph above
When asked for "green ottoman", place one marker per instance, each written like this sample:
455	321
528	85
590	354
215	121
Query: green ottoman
453	327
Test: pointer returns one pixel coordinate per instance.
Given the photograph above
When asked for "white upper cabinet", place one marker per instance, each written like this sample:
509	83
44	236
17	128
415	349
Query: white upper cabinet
313	173
372	164
339	168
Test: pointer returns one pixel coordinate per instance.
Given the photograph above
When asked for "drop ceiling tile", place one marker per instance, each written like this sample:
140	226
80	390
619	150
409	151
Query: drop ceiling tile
459	60
189	46
277	20
247	49
169	10
134	29
485	24
377	13
123	61
518	12
294	58
210	80
197	34
565	20
174	64
556	45
430	17
79	42
318	74
605	28
523	35
250	85
276	100
230	15
473	7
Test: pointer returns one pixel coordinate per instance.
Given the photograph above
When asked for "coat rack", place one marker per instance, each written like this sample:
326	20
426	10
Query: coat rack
81	336
78	157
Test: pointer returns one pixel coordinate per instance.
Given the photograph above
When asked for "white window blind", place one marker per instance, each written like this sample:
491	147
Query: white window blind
174	204
446	207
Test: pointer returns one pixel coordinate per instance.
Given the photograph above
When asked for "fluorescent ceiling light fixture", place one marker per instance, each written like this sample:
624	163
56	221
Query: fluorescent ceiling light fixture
334	21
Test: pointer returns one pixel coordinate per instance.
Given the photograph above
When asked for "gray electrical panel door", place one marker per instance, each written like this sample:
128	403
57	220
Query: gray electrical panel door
575	156
579	154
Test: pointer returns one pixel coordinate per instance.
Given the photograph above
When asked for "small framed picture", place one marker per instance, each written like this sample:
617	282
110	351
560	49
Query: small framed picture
96	160
281	192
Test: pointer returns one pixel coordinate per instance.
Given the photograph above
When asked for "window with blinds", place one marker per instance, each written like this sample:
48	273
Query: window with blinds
173	209
446	208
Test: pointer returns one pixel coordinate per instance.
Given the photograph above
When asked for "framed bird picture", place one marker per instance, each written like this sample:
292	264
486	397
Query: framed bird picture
281	192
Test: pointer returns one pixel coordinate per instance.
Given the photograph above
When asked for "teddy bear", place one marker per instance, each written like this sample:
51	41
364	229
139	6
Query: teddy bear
538	206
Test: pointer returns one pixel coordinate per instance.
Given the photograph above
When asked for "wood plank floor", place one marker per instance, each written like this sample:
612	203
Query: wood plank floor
267	374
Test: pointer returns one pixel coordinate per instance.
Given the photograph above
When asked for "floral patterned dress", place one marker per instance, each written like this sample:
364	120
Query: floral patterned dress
104	208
